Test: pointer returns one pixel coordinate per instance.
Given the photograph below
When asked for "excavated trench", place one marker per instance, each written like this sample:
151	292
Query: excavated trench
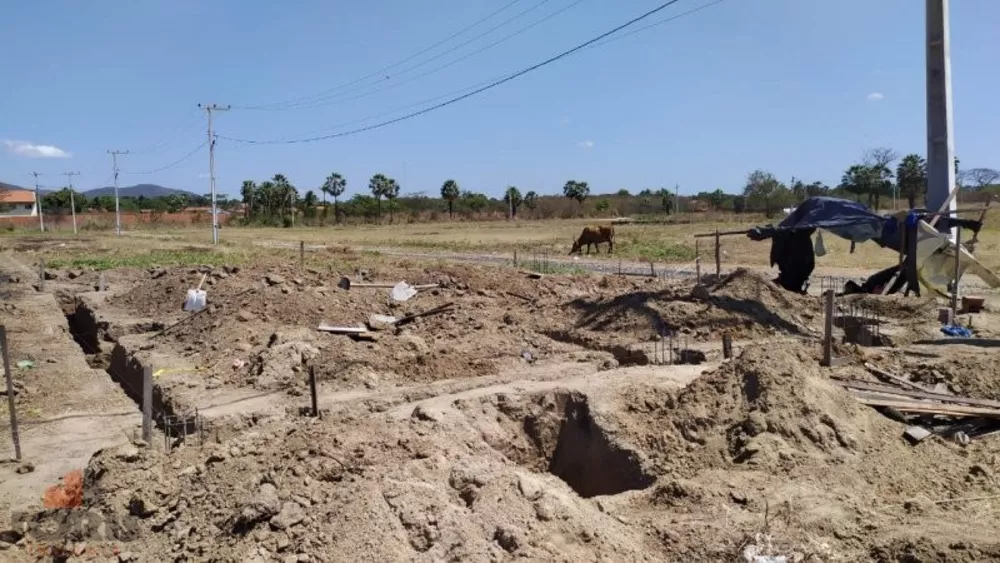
104	352
564	438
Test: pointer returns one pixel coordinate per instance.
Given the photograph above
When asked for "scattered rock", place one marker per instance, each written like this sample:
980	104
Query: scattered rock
157	273
128	453
274	279
290	515
25	467
424	412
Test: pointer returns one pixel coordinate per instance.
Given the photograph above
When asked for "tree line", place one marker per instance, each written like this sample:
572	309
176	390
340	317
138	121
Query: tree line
880	173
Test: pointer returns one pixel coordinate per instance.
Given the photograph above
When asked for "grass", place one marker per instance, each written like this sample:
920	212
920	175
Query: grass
145	259
665	242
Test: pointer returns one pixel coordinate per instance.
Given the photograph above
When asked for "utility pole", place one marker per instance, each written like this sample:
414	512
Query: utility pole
72	199
114	167
38	203
940	135
209	108
677	197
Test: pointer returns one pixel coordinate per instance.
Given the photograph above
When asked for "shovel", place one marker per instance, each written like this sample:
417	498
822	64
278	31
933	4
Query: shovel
195	300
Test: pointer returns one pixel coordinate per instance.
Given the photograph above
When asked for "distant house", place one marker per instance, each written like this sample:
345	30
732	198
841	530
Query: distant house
17	203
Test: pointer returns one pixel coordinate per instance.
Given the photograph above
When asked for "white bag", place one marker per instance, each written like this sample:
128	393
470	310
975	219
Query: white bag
820	249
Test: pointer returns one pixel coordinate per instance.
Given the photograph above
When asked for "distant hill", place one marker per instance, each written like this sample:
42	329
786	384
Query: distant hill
138	190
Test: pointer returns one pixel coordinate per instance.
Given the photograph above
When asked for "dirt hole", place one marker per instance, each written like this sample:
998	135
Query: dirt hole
569	443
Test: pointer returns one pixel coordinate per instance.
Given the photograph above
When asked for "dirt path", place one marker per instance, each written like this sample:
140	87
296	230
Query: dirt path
67	410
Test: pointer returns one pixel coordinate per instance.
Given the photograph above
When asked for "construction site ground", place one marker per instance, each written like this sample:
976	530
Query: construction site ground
564	417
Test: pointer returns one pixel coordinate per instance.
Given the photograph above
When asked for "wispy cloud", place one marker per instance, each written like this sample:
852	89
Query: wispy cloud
585	144
31	150
876	97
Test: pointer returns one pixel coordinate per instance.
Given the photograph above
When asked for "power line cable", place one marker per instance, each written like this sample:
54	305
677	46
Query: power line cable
332	98
172	164
337	98
170	136
390	67
475	92
658	23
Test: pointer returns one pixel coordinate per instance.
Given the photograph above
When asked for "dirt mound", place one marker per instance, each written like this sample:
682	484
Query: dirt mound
895	306
425	488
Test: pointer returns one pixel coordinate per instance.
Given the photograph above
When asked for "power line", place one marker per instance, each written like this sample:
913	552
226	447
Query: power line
114	169
386	68
338	97
477	91
154	148
658	23
171	165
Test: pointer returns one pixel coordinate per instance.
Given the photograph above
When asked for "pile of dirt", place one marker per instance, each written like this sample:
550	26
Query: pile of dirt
896	306
260	327
427	488
769	435
743	304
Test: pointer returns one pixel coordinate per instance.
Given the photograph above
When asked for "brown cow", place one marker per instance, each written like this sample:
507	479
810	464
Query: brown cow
594	236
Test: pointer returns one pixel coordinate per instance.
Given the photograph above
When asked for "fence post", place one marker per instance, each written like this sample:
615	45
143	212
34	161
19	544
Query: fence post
727	346
302	252
652	270
515	257
14	437
41	275
312	391
718	255
828	328
147	404
958	270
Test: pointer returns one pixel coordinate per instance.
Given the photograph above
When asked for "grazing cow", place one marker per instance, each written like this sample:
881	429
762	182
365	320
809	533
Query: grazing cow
594	236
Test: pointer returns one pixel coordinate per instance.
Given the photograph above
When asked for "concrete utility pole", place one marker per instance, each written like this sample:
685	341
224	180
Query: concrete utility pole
209	108
114	167
940	139
38	203
72	199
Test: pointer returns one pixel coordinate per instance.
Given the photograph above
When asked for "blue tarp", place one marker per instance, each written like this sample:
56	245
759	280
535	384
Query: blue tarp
844	218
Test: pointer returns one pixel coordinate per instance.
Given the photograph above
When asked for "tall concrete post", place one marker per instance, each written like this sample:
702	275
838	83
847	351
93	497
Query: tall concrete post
940	137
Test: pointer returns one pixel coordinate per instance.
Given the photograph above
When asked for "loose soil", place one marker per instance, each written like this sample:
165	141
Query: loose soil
528	422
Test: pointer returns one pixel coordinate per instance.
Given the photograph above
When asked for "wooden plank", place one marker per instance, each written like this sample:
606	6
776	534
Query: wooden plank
955	399
931	408
904	382
342	329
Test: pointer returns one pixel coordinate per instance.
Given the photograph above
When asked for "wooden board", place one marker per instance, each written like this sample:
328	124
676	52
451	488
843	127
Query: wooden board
930	408
942	397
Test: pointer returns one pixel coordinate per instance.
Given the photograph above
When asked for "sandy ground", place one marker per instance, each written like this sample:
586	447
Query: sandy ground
535	419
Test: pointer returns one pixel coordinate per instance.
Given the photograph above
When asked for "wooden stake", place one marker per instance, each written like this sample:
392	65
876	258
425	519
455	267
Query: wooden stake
652	270
828	328
958	271
718	255
727	346
147	404
14	437
302	253
312	391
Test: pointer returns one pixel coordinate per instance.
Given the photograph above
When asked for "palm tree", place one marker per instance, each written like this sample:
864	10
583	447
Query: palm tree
391	191
377	185
513	199
334	186
911	176
531	200
248	191
449	193
265	198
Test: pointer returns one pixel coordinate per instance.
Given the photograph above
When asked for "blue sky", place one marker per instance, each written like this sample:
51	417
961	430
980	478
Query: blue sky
796	87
